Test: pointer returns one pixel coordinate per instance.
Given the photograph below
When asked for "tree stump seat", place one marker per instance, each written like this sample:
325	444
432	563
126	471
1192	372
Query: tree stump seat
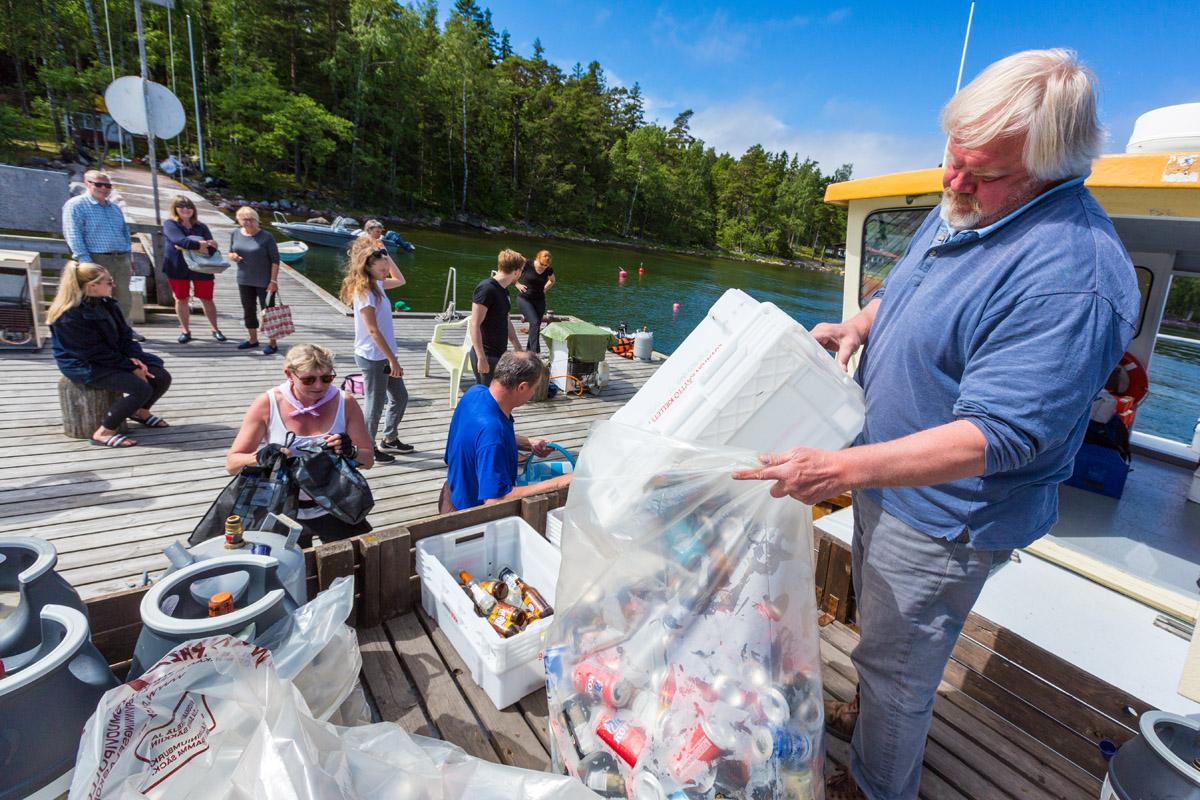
83	408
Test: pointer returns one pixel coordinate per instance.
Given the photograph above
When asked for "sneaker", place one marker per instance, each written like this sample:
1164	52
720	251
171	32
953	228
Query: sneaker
270	350
247	345
841	786
382	457
220	337
397	445
840	718
137	337
184	338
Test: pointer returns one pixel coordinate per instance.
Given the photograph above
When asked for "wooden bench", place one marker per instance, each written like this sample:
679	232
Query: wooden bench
83	408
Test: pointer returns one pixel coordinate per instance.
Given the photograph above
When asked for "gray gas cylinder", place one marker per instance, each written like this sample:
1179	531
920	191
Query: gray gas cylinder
174	613
1159	764
282	547
28	583
45	699
643	345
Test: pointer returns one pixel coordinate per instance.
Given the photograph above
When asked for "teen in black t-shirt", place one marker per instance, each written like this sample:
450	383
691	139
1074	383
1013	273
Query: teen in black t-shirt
536	279
491	329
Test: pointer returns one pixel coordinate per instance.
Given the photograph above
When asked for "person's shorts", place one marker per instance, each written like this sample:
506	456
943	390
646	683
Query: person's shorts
201	290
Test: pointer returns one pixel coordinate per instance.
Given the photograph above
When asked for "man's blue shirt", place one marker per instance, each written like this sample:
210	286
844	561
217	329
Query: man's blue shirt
1015	328
90	226
481	450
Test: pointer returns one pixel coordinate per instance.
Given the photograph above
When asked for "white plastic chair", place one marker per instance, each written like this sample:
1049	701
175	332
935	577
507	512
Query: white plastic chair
452	357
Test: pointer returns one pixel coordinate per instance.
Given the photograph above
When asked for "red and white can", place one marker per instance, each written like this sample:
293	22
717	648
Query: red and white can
703	743
601	685
626	739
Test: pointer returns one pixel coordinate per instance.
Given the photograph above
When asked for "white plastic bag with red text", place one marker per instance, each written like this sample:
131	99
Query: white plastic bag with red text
214	721
684	659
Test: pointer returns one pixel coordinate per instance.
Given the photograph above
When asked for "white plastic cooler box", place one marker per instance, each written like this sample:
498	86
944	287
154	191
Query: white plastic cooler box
749	376
506	669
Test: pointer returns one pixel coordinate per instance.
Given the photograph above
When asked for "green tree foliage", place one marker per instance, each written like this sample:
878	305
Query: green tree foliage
1183	301
382	107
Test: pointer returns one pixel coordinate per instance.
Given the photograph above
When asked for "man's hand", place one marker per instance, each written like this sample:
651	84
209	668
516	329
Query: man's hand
540	447
522	288
840	338
394	368
806	474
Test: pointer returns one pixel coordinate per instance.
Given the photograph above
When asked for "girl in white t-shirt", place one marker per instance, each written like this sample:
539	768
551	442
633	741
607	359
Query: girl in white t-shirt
369	273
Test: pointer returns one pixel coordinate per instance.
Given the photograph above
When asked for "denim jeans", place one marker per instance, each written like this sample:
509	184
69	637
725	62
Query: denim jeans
378	386
914	592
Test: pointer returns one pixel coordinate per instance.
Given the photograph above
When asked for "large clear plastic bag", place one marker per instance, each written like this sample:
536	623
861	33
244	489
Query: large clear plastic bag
684	661
213	720
315	649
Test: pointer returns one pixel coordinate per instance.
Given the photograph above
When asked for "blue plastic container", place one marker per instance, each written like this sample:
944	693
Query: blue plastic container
537	470
1098	469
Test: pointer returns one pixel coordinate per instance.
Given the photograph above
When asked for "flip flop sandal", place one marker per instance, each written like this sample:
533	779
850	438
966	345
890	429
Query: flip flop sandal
116	440
152	421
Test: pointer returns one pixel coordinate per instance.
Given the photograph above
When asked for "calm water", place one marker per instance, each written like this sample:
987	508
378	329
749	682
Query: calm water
588	287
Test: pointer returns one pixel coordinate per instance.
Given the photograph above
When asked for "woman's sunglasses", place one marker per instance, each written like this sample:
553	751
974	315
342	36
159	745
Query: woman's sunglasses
309	380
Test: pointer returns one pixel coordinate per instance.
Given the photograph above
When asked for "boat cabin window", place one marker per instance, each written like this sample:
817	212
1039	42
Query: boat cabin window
1172	407
886	235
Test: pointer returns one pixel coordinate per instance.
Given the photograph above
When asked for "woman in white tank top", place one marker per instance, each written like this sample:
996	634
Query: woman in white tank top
309	408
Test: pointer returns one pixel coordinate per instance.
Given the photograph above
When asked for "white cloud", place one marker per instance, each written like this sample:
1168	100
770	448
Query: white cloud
735	127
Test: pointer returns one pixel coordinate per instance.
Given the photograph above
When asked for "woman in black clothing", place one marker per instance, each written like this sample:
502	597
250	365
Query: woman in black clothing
536	279
94	345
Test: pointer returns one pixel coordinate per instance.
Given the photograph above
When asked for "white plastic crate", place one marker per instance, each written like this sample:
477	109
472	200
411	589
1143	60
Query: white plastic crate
506	669
554	525
749	376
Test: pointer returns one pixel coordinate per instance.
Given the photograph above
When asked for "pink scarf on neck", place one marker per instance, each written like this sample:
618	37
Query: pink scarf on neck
285	389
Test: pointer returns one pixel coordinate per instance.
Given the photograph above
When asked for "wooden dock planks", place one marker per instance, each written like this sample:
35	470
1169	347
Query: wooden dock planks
110	513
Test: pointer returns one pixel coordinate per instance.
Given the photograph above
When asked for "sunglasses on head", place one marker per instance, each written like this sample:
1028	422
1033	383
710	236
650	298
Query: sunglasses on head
101	184
309	380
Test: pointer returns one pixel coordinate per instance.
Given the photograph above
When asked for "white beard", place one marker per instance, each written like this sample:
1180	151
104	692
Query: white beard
952	213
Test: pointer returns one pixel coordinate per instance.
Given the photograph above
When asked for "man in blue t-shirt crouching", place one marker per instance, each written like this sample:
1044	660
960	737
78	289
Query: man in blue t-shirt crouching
481	449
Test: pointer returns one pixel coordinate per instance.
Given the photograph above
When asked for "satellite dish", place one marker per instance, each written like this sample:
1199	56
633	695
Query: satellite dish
127	106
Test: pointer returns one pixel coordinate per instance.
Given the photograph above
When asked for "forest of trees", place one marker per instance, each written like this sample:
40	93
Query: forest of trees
379	106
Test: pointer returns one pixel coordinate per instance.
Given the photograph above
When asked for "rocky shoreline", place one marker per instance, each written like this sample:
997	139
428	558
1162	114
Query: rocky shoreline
318	209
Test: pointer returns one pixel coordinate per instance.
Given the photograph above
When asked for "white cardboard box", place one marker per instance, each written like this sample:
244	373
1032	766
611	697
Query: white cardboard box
749	376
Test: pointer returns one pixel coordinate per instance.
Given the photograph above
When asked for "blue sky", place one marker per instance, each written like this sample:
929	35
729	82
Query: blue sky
857	82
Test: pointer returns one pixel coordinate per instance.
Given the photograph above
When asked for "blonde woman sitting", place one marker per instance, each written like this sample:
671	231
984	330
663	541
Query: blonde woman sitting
93	345
306	409
369	274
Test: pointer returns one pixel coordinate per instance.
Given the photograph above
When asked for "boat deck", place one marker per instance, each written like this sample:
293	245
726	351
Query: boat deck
416	679
110	513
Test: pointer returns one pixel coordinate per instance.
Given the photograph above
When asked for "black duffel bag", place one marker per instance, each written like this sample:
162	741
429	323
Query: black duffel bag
332	481
258	490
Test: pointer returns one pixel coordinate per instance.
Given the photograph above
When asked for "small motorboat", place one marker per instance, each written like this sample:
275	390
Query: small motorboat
292	251
340	233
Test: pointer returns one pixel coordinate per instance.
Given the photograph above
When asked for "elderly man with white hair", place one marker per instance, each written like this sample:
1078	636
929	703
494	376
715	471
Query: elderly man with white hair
982	353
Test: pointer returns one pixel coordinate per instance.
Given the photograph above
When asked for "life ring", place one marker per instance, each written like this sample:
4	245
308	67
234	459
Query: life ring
1129	379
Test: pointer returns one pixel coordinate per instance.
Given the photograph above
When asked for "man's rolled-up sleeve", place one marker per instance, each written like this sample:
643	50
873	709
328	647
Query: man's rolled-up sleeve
1033	371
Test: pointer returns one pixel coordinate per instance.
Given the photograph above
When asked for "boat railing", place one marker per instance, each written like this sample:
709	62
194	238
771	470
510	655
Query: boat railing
279	217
